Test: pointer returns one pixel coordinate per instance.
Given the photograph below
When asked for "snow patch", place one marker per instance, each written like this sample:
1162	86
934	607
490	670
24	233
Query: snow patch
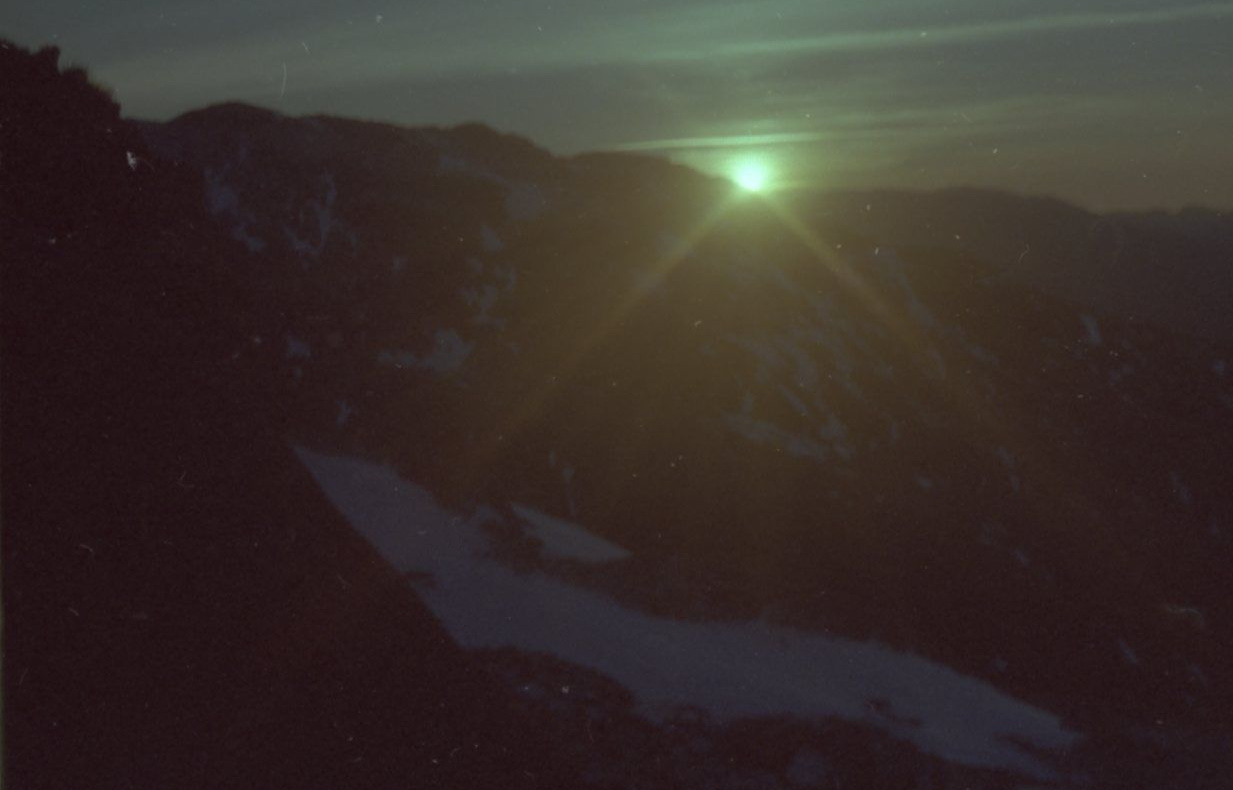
732	670
567	540
1180	489
482	300
765	432
808	769
1008	460
323	212
223	201
221	198
525	202
491	241
298	349
567	477
1092	328
797	404
1120	374
449	164
449	352
890	263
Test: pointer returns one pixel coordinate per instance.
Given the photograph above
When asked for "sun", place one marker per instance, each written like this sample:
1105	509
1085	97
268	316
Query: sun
751	175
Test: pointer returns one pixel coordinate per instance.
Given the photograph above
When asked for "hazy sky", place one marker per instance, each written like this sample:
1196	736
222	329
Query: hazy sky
1110	103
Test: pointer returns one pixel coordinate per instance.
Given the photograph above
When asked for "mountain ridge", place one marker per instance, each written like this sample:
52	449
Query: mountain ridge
778	430
1160	266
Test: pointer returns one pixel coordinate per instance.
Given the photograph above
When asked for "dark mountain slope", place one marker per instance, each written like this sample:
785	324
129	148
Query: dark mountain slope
183	608
1173	270
704	490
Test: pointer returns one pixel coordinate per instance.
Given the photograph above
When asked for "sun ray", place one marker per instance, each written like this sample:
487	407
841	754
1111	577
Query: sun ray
1065	487
530	407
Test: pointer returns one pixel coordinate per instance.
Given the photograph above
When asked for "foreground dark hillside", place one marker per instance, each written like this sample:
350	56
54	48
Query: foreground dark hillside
182	606
342	453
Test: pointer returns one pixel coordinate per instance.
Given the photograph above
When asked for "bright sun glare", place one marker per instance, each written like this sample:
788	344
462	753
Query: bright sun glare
751	175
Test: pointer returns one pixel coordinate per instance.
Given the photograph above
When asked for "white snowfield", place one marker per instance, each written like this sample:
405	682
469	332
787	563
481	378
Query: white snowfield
566	540
449	352
732	670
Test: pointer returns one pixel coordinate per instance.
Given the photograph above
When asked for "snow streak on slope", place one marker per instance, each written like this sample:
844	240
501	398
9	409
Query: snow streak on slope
563	539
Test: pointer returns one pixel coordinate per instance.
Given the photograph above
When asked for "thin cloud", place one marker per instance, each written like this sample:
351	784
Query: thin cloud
965	33
725	141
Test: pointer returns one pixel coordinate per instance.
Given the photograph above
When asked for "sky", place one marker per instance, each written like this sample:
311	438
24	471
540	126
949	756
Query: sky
1111	104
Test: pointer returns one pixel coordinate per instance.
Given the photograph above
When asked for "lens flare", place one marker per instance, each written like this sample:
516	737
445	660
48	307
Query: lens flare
751	175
